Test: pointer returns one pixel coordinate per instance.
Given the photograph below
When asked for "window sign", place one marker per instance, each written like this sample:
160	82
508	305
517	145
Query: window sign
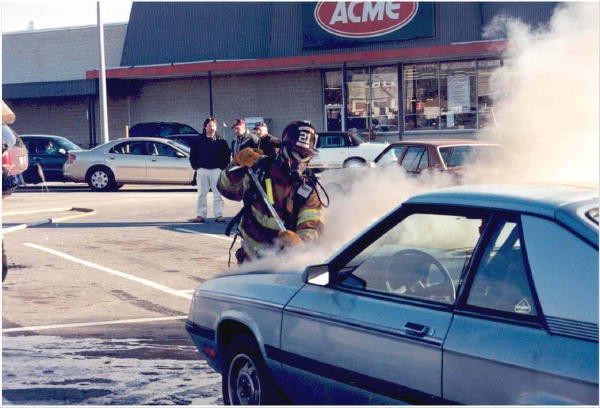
344	23
458	94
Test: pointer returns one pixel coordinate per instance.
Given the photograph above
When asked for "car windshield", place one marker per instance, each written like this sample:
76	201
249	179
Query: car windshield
180	146
456	156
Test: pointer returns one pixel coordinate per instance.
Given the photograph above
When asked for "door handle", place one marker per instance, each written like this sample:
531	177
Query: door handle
417	330
37	159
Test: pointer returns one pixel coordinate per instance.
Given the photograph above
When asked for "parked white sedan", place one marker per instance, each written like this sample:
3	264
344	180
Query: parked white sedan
341	149
143	160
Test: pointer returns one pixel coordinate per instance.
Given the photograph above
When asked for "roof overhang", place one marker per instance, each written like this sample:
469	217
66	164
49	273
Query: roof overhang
460	50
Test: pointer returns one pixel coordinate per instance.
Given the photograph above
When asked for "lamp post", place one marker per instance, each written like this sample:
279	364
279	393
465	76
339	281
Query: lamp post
102	78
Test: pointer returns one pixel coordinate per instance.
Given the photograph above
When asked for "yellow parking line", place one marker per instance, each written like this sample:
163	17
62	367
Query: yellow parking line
42	210
83	213
90	324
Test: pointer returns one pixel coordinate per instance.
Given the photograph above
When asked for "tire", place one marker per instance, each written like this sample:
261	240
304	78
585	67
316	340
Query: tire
101	179
355	163
4	263
246	378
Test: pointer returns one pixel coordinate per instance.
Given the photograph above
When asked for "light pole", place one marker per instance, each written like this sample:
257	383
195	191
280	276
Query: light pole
102	78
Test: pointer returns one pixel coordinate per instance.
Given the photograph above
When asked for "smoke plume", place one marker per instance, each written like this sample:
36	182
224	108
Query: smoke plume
546	104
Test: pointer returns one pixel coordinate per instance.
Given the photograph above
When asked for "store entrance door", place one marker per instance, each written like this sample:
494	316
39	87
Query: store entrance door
334	117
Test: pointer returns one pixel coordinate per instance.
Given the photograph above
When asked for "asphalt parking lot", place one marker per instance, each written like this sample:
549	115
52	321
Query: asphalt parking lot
95	300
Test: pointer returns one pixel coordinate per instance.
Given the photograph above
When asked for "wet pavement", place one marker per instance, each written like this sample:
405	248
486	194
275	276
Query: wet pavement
54	370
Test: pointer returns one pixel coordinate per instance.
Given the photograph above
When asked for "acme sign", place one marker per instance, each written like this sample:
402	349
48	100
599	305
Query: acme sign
357	19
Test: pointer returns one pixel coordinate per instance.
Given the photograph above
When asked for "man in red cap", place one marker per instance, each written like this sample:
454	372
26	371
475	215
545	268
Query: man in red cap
242	138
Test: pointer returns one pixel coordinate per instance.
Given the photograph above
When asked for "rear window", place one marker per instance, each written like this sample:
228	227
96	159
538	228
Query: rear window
456	156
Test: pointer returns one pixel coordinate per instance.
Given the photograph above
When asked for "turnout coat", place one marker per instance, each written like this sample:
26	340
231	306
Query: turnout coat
257	227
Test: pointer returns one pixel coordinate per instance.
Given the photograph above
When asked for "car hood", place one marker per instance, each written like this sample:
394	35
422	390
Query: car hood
271	287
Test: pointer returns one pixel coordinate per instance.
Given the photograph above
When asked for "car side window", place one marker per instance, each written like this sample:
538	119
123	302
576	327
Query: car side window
133	148
160	149
500	282
407	262
415	159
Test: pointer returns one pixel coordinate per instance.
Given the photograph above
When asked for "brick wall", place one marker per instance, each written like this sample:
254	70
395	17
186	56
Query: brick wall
278	97
62	117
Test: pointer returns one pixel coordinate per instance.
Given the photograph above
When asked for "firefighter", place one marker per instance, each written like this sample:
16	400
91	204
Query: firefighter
286	183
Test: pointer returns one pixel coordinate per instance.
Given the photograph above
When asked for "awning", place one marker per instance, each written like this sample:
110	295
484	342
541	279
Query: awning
461	50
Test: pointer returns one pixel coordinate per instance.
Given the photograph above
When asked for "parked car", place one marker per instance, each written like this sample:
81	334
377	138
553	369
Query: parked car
140	160
14	154
496	304
179	132
342	149
439	154
50	153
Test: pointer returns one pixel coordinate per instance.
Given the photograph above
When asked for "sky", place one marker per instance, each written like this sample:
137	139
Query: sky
18	14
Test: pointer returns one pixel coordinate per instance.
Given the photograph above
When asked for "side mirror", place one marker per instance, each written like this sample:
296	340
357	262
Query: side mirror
62	151
317	275
179	154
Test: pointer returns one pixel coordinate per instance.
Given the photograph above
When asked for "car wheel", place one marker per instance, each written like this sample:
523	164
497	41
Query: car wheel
4	263
355	163
246	378
101	179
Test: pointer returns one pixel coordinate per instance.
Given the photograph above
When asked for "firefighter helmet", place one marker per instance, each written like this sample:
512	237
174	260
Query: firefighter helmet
301	138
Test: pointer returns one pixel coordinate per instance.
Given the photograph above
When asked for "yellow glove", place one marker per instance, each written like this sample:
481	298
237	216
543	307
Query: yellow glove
247	156
289	238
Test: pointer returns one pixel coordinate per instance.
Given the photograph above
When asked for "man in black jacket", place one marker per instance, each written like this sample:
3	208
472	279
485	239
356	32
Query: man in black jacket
209	155
267	143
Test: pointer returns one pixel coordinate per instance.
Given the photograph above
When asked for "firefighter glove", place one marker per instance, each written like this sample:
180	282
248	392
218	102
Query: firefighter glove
289	238
247	157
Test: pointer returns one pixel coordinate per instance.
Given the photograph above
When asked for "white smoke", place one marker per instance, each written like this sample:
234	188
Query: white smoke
546	99
547	96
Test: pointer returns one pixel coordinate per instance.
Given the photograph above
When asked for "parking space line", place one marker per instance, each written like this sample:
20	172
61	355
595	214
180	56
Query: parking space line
226	238
120	274
104	323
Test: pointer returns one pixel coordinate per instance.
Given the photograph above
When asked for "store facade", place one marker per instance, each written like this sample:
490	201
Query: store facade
392	70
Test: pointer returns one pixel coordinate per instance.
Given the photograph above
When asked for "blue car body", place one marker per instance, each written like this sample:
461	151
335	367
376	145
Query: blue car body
494	300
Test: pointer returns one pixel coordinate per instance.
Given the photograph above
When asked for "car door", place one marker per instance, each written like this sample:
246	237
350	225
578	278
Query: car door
165	164
500	348
128	161
375	333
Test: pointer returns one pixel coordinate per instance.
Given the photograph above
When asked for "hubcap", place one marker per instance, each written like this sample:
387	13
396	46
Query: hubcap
99	179
244	384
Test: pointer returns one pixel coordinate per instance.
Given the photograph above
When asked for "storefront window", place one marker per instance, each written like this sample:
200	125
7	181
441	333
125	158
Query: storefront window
458	88
421	96
449	95
358	98
333	87
384	103
485	103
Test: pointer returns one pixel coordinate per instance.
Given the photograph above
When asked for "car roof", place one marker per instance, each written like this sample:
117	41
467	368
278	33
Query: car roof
563	202
444	142
45	136
142	139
